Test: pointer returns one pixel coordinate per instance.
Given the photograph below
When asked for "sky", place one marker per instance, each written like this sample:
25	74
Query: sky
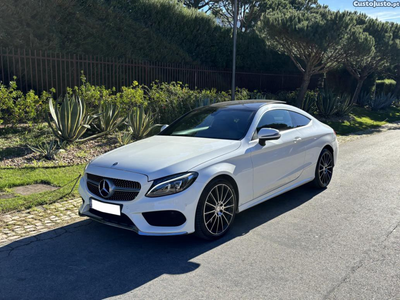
389	14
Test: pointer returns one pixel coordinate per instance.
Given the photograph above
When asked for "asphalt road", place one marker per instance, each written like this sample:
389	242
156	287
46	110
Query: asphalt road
341	243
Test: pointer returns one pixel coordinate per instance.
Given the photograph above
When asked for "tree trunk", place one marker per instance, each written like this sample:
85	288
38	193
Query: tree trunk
303	90
397	87
356	94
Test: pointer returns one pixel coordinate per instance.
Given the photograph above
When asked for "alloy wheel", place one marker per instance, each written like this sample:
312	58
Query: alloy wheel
218	209
325	168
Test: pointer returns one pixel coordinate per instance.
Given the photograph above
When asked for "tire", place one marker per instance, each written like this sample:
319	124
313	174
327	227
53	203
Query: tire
216	210
323	169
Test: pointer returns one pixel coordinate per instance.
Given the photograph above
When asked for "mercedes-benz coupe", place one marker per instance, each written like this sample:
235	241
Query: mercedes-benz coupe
207	166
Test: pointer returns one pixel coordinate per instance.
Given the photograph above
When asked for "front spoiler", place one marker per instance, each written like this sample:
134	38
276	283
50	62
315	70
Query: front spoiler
125	226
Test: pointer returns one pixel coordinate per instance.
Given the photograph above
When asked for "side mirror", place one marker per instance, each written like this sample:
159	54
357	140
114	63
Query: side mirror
267	134
163	127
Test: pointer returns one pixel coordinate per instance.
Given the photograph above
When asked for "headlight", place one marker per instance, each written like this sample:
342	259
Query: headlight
171	184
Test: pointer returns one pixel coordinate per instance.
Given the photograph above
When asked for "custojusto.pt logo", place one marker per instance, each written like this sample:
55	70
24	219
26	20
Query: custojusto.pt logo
375	4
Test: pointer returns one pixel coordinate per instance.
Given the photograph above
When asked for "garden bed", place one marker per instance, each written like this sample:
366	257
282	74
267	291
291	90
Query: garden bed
14	150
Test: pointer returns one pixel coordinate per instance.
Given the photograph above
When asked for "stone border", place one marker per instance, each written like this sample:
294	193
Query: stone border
20	224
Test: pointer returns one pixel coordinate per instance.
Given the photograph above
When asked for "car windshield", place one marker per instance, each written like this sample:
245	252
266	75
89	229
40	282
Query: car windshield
231	123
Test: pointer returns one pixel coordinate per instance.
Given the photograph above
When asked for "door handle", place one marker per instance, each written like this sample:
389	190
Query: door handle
297	139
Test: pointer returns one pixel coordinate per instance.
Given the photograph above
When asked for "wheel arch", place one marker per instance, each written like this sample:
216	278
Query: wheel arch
330	148
232	181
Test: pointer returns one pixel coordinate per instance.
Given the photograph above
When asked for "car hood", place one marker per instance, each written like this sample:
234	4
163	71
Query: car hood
160	156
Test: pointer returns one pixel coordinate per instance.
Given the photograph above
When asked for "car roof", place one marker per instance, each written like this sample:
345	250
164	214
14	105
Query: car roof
249	104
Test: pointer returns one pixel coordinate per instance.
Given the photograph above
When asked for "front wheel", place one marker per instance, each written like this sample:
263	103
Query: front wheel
216	209
324	169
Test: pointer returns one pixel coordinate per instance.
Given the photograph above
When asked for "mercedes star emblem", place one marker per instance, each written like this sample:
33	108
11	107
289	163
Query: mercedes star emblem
106	188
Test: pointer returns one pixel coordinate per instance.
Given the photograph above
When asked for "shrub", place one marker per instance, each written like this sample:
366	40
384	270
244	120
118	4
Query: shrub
16	107
170	101
288	96
385	86
241	94
91	94
131	96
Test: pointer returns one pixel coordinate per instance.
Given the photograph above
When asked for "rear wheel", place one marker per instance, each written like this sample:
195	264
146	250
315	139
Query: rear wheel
324	169
216	209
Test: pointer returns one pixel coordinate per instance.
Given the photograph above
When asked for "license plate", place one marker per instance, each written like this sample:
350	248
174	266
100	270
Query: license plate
106	207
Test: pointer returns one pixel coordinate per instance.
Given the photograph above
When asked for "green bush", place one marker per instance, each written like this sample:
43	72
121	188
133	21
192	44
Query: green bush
288	96
385	86
92	95
170	101
132	96
16	107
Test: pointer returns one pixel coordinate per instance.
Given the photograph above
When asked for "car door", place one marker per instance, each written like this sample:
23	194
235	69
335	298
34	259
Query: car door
279	161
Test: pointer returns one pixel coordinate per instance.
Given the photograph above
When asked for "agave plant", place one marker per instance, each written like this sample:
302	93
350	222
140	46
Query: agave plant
124	138
47	149
309	102
140	124
109	118
344	105
327	103
70	120
382	101
364	99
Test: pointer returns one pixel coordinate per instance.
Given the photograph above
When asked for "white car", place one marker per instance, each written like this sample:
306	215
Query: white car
207	166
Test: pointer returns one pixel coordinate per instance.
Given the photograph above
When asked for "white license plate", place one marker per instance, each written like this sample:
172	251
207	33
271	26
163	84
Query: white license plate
106	207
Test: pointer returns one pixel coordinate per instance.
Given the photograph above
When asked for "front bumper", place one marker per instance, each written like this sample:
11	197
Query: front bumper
132	211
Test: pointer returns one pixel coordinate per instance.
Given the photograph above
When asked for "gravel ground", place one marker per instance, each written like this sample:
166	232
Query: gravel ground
79	153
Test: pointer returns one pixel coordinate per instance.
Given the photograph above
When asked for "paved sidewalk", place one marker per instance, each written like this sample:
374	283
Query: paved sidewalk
16	225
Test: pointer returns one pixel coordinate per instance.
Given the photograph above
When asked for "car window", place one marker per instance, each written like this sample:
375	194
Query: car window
299	120
213	122
278	119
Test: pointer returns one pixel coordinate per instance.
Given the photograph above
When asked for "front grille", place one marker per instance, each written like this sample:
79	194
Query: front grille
125	190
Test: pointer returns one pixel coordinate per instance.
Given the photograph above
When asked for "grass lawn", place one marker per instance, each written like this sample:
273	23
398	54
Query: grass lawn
55	176
363	119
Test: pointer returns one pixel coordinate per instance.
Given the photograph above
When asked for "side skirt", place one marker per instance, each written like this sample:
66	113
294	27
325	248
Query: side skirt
273	194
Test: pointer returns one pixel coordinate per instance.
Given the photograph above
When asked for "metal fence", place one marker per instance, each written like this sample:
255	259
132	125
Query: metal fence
42	70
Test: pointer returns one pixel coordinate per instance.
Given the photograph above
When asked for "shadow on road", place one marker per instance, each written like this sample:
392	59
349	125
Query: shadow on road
91	260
